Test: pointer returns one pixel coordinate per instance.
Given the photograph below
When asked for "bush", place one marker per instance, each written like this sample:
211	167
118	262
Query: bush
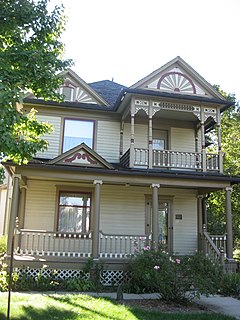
173	278
231	285
3	245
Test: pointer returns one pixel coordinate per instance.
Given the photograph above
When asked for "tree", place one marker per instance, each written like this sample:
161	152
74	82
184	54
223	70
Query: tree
30	58
230	127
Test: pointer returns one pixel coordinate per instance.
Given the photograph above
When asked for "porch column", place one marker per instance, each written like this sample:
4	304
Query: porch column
150	139
200	221
96	220
155	215
22	204
14	211
132	152
121	139
220	155
204	156
204	212
229	223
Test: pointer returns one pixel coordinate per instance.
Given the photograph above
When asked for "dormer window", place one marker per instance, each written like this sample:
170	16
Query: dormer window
76	132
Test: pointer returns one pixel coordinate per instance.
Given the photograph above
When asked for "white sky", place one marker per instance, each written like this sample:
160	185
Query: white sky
128	39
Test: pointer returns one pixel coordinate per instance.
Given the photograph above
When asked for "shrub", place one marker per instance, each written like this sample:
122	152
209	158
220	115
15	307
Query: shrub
230	285
173	278
3	245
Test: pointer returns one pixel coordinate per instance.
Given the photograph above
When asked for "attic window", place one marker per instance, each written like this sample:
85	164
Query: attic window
68	91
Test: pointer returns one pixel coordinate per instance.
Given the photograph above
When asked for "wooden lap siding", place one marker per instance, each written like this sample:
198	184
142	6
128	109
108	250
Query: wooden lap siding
122	211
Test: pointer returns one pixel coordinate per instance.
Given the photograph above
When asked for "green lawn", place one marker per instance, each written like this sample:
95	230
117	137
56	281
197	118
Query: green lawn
73	306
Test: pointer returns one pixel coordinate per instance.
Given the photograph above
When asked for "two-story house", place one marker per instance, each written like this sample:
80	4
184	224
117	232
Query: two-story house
126	167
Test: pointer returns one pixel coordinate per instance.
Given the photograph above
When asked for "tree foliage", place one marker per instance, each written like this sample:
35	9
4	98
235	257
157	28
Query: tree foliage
30	58
230	127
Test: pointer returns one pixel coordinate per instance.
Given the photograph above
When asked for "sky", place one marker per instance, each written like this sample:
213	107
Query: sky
125	40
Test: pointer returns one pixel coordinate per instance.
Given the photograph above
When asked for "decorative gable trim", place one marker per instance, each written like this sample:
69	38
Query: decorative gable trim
81	91
81	155
178	77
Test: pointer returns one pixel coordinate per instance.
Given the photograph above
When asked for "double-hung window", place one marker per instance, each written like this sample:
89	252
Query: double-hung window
74	212
76	132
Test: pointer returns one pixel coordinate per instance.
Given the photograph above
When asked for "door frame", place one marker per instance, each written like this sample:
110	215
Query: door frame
148	218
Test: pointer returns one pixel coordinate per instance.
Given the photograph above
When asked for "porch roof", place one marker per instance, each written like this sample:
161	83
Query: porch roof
117	170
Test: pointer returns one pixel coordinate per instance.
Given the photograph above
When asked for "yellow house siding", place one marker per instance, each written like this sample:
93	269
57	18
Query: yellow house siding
140	136
185	230
53	138
182	140
40	205
108	140
123	210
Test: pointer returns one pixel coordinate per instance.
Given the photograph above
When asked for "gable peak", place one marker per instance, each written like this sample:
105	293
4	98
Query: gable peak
177	76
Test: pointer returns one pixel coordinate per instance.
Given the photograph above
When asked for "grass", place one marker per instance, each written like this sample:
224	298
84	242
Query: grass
75	306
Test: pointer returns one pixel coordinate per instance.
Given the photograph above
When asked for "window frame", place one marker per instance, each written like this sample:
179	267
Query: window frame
69	191
78	119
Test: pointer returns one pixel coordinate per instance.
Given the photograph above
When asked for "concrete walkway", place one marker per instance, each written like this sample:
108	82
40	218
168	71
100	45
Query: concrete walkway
225	305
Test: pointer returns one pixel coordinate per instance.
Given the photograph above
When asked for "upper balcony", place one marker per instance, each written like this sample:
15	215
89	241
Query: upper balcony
170	135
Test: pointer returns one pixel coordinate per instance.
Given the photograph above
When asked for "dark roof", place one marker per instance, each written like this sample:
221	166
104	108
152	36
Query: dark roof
107	89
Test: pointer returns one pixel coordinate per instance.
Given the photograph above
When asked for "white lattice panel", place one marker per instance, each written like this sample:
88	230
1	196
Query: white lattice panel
113	277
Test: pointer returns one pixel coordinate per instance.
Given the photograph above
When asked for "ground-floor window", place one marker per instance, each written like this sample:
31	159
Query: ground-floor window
74	212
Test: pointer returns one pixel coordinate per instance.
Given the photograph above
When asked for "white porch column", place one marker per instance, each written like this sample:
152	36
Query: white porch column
204	156
150	139
229	223
14	211
220	154
22	204
96	220
132	152
155	215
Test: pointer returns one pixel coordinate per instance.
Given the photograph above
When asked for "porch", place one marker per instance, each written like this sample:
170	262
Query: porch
169	159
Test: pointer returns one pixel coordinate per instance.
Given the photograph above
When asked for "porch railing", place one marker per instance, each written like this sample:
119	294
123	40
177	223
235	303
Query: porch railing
220	242
48	243
211	250
176	159
121	246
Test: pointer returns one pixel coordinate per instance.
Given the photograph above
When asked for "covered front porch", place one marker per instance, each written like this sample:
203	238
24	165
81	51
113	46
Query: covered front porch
43	246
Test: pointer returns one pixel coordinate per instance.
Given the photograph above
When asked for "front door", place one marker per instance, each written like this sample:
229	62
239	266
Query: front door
165	228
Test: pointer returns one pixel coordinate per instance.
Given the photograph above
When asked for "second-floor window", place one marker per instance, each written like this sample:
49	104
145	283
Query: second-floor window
77	132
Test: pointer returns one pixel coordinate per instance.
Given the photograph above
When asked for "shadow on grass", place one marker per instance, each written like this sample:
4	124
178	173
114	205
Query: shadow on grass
103	315
29	312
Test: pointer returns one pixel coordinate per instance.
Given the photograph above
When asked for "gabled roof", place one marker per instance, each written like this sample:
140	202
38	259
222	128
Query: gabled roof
83	93
107	89
81	155
178	77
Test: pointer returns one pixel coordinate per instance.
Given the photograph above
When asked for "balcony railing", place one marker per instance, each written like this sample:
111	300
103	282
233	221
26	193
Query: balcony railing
48	243
176	159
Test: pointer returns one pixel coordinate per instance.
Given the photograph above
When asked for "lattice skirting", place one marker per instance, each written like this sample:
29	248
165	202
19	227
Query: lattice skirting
107	277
